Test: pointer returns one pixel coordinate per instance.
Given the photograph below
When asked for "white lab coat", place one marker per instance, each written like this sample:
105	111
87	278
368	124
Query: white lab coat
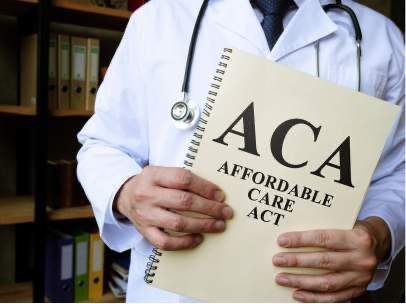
132	126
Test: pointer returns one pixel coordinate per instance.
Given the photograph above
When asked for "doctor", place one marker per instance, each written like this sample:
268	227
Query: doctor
130	161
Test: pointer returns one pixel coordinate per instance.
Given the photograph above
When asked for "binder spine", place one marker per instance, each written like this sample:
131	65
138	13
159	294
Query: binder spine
194	145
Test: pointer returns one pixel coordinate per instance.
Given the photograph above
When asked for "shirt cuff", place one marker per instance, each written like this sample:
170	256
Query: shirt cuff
383	268
119	235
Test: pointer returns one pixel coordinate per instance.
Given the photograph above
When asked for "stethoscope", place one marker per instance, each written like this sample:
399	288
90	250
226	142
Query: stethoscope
186	113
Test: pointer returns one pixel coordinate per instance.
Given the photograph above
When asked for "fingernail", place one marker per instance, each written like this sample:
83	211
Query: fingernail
283	241
282	280
228	212
299	296
219	196
198	239
279	260
219	225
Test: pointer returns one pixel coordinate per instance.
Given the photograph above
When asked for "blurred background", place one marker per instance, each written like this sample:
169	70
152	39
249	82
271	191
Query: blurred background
53	56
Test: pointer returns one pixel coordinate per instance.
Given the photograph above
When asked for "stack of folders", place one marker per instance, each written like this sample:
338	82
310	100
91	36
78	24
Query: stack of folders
73	72
74	266
118	278
64	190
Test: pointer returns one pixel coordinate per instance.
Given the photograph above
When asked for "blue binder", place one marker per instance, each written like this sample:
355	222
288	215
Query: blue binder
59	278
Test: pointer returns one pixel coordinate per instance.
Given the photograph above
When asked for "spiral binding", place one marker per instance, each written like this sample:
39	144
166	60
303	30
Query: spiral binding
194	146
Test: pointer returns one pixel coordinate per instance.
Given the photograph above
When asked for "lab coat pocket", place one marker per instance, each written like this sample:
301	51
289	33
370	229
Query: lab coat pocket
372	81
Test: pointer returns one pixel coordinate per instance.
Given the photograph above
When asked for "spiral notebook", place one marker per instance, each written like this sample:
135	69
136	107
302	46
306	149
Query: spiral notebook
291	153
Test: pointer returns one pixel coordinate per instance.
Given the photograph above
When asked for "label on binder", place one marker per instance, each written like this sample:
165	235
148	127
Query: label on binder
79	67
52	59
81	258
94	65
65	61
66	265
98	255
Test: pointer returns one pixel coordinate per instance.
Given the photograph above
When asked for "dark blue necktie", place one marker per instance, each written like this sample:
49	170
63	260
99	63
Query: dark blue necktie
273	11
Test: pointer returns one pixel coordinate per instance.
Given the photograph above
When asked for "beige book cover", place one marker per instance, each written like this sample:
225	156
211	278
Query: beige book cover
291	153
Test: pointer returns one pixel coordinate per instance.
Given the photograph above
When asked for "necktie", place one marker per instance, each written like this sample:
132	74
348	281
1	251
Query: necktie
273	11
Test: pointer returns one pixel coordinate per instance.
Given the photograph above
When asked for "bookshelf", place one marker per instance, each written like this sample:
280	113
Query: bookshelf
30	212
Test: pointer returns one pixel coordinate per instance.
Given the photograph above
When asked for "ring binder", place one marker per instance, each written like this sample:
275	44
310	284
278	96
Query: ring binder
151	266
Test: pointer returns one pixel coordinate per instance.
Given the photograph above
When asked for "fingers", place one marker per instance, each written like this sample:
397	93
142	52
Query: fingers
179	178
187	201
330	282
176	222
330	239
331	297
167	242
325	260
320	260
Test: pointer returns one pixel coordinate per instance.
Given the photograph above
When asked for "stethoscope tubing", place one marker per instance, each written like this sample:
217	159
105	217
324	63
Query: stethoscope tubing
192	46
328	7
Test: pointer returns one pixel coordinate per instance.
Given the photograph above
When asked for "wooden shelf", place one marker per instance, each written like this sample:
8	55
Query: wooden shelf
91	9
17	7
16	210
70	213
68	11
17	110
20	209
22	293
16	293
71	113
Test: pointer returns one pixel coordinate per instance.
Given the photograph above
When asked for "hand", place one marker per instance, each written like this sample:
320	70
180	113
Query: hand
350	258
150	199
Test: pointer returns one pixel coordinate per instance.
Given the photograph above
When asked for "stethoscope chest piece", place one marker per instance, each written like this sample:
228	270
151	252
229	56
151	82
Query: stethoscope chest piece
185	114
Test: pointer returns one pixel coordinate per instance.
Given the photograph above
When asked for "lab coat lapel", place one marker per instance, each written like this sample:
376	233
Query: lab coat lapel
309	24
238	17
